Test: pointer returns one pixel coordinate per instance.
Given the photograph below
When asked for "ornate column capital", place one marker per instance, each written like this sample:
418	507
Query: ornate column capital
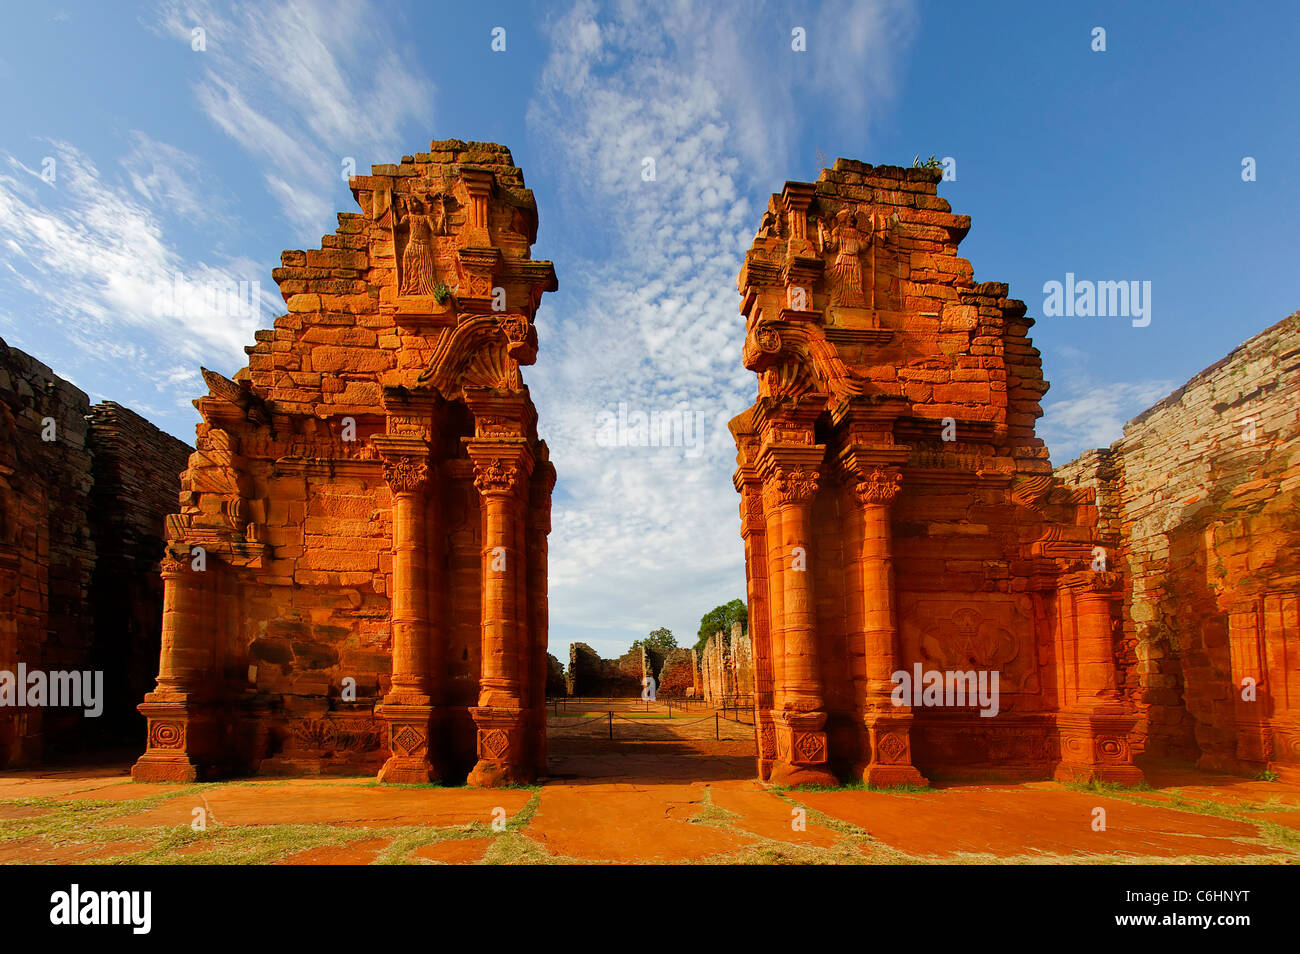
406	461
879	485
1106	582
497	476
790	485
406	473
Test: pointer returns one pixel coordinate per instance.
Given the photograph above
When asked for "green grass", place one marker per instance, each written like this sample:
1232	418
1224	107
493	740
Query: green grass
1106	788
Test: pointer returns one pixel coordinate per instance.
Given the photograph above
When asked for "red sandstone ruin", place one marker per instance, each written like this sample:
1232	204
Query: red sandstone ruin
356	580
898	509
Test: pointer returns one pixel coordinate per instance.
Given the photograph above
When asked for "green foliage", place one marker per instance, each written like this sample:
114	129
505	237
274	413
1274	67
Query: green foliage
931	163
441	293
661	639
721	618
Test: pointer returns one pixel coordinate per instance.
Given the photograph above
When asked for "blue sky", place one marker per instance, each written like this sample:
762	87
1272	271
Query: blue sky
1116	165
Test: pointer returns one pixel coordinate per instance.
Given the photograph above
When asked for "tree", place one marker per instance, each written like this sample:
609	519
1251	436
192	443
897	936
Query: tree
721	618
661	639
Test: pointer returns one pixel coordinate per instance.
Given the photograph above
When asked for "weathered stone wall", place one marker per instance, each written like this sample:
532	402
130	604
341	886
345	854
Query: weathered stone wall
727	667
898	508
591	676
136	469
81	518
374	502
1199	510
677	674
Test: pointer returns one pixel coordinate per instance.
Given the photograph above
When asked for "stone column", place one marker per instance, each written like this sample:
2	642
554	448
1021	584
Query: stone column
1094	725
537	612
178	731
501	473
754	532
408	707
888	726
800	722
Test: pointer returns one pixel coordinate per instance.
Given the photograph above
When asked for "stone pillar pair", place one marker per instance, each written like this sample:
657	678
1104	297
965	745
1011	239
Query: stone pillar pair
799	716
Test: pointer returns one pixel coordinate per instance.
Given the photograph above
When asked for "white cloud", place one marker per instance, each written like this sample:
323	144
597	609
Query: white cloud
165	176
94	258
645	537
1093	414
300	87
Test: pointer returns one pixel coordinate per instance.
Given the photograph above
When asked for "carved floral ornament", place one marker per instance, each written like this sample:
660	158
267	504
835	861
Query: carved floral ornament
879	486
406	473
515	327
768	339
497	476
792	486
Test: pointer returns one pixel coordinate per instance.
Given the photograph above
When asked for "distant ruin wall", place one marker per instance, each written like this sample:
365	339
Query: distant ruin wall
591	676
1199	506
727	668
84	491
677	674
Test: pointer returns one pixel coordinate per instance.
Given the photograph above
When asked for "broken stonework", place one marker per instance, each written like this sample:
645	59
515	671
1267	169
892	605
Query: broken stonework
898	509
1200	512
727	668
81	526
371	503
591	676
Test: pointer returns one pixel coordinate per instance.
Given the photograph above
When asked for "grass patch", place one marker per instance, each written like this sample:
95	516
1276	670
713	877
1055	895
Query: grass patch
1106	788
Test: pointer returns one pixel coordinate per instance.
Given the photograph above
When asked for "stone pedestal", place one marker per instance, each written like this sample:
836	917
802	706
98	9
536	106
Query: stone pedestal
1095	747
502	759
175	729
801	750
412	737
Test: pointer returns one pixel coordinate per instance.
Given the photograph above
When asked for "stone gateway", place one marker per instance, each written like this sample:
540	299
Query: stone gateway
356	580
899	511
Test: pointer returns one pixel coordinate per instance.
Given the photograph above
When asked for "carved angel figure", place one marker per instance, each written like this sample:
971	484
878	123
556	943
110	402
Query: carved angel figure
848	241
417	259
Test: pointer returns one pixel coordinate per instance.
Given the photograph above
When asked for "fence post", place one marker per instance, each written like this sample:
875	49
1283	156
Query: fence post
611	725
717	732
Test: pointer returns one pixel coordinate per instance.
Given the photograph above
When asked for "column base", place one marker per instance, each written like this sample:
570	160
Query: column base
412	732
889	737
503	756
1094	747
893	776
160	768
801	749
175	736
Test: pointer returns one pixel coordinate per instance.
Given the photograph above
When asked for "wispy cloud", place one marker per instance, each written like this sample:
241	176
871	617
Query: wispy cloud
1093	414
301	87
91	261
649	536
